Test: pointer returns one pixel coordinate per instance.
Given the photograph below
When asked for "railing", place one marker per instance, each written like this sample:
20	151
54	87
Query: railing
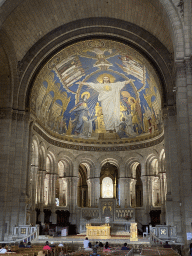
154	240
24	234
130	253
31	236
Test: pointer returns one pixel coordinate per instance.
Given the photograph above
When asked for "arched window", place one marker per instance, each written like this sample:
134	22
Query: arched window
107	188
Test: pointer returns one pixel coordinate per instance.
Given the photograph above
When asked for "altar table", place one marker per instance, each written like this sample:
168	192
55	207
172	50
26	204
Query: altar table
95	232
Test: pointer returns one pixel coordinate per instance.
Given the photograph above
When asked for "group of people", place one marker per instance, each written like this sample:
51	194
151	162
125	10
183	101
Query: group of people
88	246
5	249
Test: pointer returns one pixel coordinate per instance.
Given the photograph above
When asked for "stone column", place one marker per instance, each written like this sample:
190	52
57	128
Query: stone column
162	177
154	190
41	177
34	171
128	192
122	193
53	205
147	197
61	191
184	125
90	194
93	191
72	197
74	182
133	182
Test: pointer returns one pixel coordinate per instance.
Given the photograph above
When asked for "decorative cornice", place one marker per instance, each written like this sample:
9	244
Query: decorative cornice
98	148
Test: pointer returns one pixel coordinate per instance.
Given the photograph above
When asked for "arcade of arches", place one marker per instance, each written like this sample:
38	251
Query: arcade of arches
95	114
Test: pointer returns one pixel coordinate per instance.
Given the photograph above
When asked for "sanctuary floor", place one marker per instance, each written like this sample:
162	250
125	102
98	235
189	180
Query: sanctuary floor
78	239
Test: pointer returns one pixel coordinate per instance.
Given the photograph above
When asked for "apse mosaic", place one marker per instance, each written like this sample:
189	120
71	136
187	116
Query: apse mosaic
98	90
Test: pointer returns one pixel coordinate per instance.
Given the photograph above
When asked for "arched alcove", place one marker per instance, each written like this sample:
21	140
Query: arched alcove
82	189
109	181
139	187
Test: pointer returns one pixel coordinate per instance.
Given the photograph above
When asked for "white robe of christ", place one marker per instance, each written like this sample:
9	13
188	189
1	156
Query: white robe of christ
109	96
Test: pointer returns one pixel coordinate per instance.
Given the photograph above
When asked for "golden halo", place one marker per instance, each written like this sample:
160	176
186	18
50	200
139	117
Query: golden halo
84	93
131	98
126	94
100	78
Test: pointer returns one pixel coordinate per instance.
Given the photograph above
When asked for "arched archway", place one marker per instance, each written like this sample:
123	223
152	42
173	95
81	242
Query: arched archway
82	191
109	181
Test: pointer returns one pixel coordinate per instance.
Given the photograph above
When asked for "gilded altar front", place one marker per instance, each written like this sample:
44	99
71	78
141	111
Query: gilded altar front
94	232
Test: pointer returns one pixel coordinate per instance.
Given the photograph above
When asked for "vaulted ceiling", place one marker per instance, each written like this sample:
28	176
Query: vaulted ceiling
27	21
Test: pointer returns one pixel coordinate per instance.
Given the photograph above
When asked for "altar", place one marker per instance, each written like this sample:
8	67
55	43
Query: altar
95	232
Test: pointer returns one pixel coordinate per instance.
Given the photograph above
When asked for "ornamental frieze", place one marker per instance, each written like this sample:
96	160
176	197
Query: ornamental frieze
97	148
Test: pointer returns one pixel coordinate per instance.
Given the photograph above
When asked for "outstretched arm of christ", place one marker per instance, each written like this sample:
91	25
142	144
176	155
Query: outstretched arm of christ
129	81
96	86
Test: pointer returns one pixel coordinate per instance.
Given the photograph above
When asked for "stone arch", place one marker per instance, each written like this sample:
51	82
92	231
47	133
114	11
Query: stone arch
131	166
162	161
166	12
65	154
50	165
175	27
151	165
8	72
42	158
140	39
111	158
35	152
89	161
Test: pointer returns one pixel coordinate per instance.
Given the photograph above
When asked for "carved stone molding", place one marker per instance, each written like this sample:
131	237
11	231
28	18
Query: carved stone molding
97	148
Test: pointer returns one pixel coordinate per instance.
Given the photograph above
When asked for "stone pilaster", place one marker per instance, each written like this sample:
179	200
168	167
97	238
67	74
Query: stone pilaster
72	197
147	197
93	191
162	177
14	136
34	170
133	196
184	124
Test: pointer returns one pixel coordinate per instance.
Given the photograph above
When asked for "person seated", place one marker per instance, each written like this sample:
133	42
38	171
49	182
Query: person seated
100	244
89	248
94	252
96	245
167	245
107	247
9	248
47	247
86	242
125	247
3	249
28	245
61	253
52	244
60	245
21	245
